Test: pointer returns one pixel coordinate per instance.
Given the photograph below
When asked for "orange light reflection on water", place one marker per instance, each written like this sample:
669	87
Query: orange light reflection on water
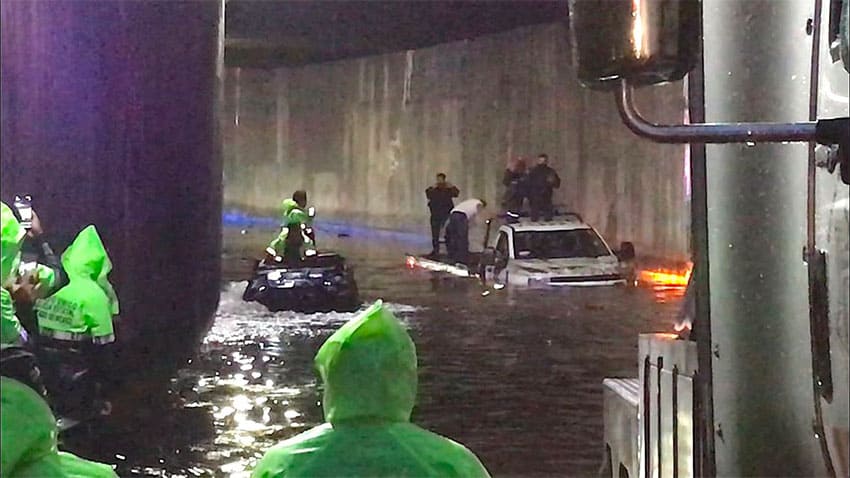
667	284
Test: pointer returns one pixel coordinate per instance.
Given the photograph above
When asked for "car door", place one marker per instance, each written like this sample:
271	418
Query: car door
500	270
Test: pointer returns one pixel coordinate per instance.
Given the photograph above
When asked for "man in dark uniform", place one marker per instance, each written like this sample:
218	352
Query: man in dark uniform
542	181
441	204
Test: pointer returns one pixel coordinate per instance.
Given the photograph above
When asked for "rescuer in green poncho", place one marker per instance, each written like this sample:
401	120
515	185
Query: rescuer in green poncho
82	311
294	241
28	430
28	434
11	238
24	282
370	374
75	327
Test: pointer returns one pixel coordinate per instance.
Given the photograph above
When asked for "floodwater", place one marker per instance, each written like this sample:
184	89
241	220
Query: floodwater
515	375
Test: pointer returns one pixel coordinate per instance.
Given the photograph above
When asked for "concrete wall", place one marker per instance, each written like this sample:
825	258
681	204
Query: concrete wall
366	136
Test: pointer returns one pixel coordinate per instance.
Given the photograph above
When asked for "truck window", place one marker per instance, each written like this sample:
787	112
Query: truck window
559	244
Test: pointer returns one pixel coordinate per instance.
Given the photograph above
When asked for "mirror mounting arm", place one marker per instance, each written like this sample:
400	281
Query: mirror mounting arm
709	132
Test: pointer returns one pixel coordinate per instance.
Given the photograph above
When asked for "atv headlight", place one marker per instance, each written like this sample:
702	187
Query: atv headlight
274	275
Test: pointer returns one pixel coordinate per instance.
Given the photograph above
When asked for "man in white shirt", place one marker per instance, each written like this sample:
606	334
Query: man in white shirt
457	231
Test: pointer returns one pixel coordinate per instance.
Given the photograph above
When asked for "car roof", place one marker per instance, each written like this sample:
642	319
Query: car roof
555	225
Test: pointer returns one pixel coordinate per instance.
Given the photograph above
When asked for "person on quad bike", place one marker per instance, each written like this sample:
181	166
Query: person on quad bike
294	240
300	198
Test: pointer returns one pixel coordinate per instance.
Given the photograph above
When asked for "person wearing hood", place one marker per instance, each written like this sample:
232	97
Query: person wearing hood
16	357
40	272
12	237
75	327
369	372
82	311
293	239
28	432
300	198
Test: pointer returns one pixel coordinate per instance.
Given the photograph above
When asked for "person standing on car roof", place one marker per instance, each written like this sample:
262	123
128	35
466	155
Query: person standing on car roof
457	231
542	181
440	203
516	182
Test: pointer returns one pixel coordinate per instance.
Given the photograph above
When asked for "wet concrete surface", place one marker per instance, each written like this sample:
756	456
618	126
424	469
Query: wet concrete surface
515	375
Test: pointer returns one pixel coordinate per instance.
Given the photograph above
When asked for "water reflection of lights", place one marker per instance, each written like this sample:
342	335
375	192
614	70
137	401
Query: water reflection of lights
666	277
242	377
667	284
242	403
437	266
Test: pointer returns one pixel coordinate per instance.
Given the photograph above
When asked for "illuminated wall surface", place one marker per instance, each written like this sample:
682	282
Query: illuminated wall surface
366	136
108	117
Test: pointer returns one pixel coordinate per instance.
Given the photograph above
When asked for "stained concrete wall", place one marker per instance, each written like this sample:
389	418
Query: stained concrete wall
366	136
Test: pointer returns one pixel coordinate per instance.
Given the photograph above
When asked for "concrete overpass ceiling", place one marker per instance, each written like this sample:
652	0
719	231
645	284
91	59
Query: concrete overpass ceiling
267	33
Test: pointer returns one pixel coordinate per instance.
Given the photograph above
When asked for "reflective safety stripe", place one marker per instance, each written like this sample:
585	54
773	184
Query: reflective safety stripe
77	337
60	335
104	339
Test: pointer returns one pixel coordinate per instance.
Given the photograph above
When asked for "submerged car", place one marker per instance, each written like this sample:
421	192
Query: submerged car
319	283
564	252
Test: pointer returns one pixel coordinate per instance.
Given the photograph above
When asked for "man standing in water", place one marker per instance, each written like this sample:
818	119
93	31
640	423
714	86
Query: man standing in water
457	232
440	203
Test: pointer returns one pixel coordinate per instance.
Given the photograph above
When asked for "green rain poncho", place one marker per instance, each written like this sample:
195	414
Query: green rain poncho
28	433
84	308
369	370
293	217
286	207
11	238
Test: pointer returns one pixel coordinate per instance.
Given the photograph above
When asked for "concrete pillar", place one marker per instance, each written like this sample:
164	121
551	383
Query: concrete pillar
756	69
109	118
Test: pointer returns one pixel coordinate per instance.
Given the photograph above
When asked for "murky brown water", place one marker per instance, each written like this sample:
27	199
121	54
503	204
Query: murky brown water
514	375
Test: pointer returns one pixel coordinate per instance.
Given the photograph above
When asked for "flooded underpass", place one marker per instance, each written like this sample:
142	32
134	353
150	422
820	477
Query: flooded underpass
514	375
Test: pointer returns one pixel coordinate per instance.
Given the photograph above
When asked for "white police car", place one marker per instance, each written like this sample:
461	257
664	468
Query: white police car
563	252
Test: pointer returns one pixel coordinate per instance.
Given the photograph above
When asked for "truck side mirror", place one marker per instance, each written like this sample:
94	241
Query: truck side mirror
626	252
645	42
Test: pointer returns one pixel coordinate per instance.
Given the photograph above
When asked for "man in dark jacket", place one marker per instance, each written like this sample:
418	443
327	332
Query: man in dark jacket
440	203
542	181
515	181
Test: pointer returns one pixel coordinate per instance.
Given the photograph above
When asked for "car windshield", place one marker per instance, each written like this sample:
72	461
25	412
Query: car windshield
559	244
